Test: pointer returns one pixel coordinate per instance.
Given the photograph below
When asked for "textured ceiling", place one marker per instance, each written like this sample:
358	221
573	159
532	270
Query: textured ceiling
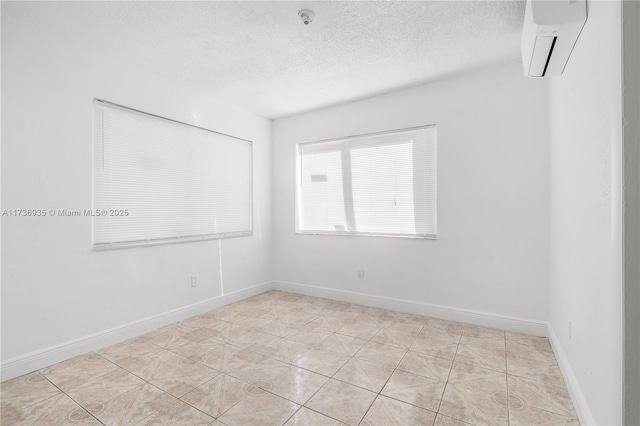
259	55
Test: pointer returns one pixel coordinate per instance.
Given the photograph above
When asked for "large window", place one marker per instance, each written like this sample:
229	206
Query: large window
380	184
160	181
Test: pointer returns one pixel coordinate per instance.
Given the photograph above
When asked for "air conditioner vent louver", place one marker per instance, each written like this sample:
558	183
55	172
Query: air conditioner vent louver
551	29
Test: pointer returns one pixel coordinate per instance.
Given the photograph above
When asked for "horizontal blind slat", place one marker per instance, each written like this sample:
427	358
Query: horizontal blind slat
175	180
390	179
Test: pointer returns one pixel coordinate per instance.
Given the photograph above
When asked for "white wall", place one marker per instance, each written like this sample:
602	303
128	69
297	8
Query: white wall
54	288
586	213
491	254
631	141
496	190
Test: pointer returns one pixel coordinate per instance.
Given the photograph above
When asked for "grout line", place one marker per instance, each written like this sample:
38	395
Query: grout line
350	357
326	415
228	409
506	378
220	372
68	396
389	378
392	373
291	416
139	377
40	400
322	310
446	383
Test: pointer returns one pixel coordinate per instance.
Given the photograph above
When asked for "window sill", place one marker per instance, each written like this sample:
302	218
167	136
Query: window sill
369	234
165	241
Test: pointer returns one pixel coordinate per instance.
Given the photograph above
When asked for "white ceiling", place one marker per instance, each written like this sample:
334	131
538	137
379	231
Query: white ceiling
259	55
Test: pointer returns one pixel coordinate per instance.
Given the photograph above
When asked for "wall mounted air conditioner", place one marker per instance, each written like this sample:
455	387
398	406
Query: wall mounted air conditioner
551	29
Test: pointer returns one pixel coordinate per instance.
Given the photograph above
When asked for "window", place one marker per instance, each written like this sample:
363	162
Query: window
157	181
380	184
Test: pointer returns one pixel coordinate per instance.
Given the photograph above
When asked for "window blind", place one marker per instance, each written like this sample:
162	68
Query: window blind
377	184
158	181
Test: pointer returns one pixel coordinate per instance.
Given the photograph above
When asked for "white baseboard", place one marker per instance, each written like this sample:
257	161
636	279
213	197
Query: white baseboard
518	325
575	391
42	358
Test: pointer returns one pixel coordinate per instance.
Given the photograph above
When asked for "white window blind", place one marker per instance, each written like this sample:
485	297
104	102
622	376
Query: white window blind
158	181
378	184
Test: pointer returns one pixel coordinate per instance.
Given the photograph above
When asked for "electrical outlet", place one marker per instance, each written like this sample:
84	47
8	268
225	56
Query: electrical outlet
194	281
361	274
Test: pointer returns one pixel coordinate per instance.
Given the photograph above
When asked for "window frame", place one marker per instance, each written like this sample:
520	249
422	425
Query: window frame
165	240
298	177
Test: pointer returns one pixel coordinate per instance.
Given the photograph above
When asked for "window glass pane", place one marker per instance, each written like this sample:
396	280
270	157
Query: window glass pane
382	178
377	184
322	192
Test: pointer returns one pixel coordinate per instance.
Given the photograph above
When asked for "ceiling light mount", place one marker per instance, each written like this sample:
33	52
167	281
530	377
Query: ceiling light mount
306	16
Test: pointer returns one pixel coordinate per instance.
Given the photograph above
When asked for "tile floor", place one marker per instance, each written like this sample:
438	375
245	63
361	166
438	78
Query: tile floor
286	359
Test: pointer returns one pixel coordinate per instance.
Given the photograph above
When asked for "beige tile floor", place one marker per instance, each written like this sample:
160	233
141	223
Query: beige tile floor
286	359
